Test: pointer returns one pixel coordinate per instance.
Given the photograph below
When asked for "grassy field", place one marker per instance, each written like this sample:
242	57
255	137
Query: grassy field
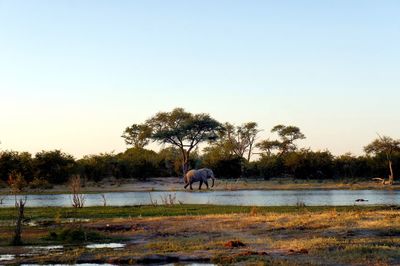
357	235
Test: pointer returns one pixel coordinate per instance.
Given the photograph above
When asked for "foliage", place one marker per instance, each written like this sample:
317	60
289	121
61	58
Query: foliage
40	183
170	161
383	145
183	130
224	164
16	182
387	146
240	140
74	235
98	167
54	166
137	135
137	163
20	162
306	164
287	134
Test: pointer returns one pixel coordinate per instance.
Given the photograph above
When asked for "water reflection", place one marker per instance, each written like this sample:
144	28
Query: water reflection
240	197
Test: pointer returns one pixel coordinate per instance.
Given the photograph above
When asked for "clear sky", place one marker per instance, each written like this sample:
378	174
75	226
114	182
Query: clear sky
74	74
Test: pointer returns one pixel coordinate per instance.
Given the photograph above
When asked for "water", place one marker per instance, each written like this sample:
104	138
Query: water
240	197
106	245
7	257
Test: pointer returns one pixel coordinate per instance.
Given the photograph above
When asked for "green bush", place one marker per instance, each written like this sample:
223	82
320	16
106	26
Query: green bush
74	236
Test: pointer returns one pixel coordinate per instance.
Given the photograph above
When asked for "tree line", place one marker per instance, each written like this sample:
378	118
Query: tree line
232	151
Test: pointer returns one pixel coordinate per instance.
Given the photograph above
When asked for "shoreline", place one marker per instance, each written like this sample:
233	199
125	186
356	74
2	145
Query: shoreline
173	184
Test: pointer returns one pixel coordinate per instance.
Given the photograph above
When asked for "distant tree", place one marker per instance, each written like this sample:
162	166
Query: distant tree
98	166
387	146
54	166
137	135
286	143
171	160
20	162
137	163
268	146
241	139
305	164
183	130
223	162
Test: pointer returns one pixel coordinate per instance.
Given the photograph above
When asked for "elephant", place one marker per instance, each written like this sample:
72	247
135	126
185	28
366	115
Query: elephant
199	175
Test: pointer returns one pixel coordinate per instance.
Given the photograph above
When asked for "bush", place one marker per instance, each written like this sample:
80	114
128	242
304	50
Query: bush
270	167
54	166
20	162
40	183
16	182
305	164
74	236
97	167
138	163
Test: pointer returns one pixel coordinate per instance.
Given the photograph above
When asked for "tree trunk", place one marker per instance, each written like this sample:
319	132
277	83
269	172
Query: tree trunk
185	163
16	241
391	176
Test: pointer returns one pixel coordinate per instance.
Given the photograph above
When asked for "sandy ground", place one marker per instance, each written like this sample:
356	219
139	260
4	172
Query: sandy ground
176	184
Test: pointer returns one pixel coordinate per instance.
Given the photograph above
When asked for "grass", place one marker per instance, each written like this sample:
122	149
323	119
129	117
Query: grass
359	235
58	213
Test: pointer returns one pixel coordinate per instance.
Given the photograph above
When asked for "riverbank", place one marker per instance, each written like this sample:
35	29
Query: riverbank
203	233
176	184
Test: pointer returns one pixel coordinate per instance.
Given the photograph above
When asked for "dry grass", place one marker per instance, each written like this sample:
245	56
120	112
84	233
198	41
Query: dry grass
359	237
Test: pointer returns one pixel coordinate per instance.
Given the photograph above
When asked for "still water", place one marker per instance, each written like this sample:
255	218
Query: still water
240	197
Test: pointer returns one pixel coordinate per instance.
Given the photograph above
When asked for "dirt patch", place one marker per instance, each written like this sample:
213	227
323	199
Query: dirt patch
234	244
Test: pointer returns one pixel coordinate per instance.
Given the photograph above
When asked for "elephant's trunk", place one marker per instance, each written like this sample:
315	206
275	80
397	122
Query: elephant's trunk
212	185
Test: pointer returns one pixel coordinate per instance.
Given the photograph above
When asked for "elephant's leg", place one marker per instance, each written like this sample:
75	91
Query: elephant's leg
201	183
187	185
206	182
191	185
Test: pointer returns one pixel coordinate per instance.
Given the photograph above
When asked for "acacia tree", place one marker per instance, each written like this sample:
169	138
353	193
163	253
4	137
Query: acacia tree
137	135
241	139
183	130
287	134
384	145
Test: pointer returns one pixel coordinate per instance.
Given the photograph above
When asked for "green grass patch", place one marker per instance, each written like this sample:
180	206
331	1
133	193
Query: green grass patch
57	213
74	236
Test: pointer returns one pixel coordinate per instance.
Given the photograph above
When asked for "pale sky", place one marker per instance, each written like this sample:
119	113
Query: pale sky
74	74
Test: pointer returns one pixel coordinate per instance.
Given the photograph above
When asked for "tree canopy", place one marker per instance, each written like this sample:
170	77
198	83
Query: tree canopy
384	145
286	143
183	130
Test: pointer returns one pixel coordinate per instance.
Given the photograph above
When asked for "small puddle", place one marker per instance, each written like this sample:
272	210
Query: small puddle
106	245
47	247
7	257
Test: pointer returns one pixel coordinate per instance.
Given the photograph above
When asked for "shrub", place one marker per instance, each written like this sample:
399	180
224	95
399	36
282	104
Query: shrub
74	236
40	183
